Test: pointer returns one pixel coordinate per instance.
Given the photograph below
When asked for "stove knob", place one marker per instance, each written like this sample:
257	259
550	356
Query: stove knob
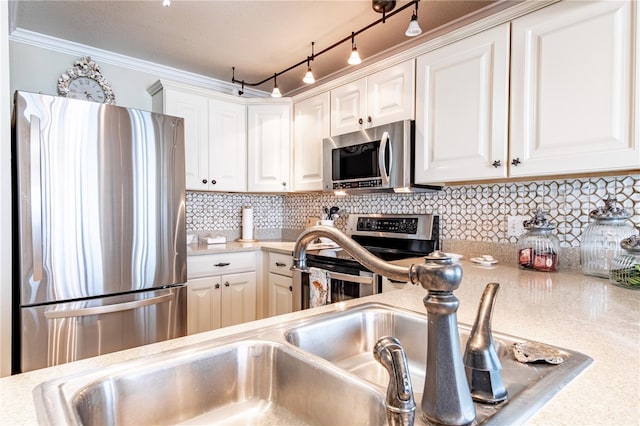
413	227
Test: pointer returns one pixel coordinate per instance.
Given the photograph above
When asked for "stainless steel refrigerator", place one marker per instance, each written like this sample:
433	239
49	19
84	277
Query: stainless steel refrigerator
99	229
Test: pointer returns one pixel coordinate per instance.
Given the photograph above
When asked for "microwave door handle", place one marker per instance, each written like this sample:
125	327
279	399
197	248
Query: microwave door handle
36	197
384	145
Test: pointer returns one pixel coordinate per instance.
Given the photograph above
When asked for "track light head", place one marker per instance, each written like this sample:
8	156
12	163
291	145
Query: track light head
276	91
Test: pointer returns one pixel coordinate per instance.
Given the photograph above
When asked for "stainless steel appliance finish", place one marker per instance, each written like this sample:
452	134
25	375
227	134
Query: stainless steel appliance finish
100	200
378	159
387	236
319	369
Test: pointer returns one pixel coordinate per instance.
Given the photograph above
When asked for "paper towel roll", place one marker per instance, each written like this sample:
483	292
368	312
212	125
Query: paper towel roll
247	223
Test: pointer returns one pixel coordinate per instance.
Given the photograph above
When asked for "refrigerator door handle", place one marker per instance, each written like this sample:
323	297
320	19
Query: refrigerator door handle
36	200
98	310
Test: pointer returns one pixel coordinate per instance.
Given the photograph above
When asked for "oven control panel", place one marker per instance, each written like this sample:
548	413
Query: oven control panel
398	225
395	226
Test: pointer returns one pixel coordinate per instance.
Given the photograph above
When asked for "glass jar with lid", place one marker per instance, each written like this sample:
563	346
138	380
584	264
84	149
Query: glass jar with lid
625	267
601	239
538	247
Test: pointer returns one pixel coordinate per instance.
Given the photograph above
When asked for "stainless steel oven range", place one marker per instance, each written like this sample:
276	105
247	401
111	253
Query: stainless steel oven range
388	236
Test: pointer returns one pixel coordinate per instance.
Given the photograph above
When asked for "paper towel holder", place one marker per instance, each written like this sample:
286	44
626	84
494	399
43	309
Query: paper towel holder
247	221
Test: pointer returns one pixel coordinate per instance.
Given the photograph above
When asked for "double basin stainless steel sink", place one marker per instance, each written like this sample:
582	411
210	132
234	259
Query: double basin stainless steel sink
318	370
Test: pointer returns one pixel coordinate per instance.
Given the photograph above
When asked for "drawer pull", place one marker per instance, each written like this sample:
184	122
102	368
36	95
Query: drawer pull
290	288
280	264
226	284
221	264
217	286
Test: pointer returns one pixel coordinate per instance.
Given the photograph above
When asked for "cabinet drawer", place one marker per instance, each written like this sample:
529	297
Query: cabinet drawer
280	264
218	264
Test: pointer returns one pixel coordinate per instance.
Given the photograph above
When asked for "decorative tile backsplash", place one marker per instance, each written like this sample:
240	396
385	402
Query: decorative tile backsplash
468	212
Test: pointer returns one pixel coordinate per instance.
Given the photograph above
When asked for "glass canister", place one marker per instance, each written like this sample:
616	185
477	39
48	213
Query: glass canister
538	247
625	267
601	239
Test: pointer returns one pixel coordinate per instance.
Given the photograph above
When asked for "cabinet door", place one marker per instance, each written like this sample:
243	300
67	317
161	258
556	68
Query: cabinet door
280	294
238	302
573	81
461	109
227	146
311	127
194	109
268	156
348	107
391	94
203	304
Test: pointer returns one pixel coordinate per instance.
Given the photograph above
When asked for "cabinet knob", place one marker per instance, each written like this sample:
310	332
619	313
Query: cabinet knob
360	121
369	119
221	264
516	161
284	183
204	181
226	284
290	288
280	264
213	182
496	164
217	285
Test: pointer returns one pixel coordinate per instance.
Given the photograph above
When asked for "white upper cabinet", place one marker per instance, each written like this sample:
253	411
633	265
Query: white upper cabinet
575	89
461	109
215	134
383	97
311	127
269	147
227	146
194	109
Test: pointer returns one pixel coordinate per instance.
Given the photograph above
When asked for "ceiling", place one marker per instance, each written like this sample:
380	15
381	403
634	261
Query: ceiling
259	38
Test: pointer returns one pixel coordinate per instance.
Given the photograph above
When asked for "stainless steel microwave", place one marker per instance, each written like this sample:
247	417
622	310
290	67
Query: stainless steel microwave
378	159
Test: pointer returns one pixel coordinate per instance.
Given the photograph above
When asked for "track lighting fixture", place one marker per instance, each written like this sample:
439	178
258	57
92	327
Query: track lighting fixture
276	92
308	77
354	59
385	7
414	29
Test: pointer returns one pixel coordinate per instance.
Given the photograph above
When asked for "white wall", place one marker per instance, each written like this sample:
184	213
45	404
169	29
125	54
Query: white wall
36	69
5	196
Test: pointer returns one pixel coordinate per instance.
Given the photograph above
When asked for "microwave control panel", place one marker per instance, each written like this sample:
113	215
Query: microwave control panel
371	183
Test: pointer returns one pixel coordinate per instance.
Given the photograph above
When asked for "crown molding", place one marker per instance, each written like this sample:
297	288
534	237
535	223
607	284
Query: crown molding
20	35
482	20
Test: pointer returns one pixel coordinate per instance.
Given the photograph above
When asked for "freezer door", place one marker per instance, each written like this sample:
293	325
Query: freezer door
65	332
101	199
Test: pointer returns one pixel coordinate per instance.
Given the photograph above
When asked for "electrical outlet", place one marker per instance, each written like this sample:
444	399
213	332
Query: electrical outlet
514	226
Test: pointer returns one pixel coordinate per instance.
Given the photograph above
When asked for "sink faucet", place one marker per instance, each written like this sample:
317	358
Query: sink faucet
446	398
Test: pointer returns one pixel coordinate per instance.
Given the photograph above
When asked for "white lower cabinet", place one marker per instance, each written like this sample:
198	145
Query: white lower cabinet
218	293
280	284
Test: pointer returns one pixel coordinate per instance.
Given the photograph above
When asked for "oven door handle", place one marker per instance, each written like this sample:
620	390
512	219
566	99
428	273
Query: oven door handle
351	278
384	145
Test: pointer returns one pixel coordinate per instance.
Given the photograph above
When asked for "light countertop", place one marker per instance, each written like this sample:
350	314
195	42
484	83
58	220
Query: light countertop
565	309
196	249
